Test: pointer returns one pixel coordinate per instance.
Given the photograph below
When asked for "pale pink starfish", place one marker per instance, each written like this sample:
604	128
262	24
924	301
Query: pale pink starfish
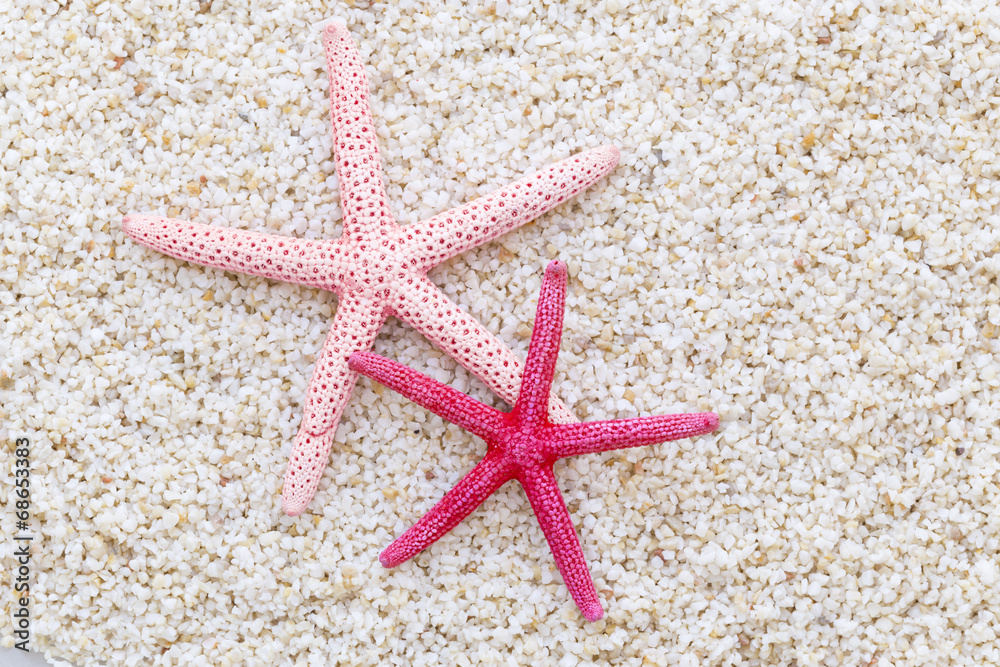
523	444
377	268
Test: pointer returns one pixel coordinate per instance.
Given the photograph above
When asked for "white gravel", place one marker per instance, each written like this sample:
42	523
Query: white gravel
802	236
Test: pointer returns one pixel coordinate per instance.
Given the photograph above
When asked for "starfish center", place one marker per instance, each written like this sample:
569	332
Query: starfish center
523	448
375	267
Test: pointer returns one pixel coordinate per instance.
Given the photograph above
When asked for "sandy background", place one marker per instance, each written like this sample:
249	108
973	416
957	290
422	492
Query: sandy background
801	236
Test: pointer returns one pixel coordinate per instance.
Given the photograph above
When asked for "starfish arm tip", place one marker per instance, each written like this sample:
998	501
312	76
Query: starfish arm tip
593	612
353	362
333	27
612	152
389	558
711	421
132	224
358	362
292	506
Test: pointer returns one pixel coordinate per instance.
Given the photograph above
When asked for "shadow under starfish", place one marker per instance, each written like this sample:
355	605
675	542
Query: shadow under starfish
523	444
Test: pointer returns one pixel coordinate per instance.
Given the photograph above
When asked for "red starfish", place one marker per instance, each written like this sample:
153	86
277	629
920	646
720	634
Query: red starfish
377	268
523	444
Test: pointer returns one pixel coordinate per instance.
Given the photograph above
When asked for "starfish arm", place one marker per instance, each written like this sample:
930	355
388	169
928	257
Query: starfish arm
267	255
602	436
439	398
547	503
430	312
354	329
536	385
359	168
479	221
488	476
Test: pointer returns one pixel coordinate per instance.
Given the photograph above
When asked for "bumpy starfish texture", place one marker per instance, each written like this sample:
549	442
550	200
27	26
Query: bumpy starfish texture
523	444
376	267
